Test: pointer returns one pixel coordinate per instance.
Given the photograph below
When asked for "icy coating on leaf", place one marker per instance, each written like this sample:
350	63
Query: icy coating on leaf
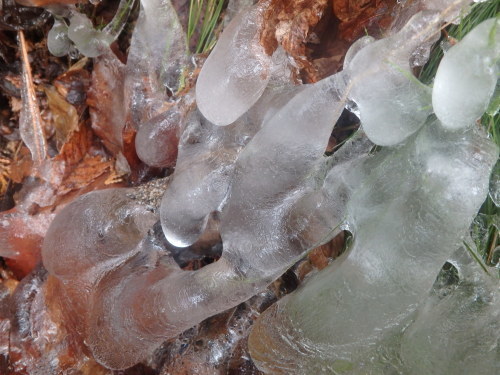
276	196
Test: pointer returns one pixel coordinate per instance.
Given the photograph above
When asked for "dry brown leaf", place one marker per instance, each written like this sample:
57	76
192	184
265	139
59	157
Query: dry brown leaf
359	16
105	99
73	85
16	105
288	23
64	115
30	121
21	166
77	146
84	174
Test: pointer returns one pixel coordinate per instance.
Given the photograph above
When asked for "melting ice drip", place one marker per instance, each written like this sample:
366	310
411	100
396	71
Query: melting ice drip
278	196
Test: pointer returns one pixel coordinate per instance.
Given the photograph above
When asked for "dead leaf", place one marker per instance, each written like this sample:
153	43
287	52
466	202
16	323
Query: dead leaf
105	99
21	166
73	86
77	146
64	115
288	23
30	121
359	16
16	105
84	174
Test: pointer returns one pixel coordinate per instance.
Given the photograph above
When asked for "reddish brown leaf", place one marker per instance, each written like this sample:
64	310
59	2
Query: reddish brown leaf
73	85
288	23
85	173
64	115
360	16
75	149
105	99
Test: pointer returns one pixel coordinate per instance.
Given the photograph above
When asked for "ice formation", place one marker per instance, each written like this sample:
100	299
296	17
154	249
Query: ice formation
405	212
381	70
155	64
156	58
456	331
157	139
409	207
474	60
58	41
236	72
275	195
90	41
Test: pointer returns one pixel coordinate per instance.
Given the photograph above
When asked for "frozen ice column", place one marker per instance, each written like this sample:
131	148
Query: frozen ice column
475	61
89	238
157	140
158	55
390	101
205	169
407	217
207	154
134	313
457	333
237	71
88	40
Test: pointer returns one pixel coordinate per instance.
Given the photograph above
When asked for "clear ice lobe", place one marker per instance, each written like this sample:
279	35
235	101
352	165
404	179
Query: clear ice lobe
158	48
157	140
236	72
121	225
392	104
405	217
58	42
457	333
475	61
89	41
205	165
